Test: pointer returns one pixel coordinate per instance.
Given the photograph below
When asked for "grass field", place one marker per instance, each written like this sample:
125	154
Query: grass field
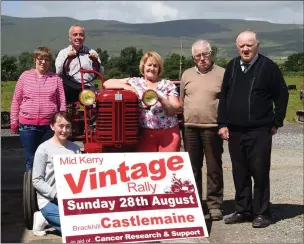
294	104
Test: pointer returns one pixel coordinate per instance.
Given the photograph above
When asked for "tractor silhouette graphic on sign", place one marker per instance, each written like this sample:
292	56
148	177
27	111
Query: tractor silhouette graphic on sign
178	185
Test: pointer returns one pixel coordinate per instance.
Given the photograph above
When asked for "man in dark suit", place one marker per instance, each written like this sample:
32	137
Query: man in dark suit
252	107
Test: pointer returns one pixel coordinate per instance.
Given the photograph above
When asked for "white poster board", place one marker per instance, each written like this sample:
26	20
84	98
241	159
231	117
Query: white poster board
127	197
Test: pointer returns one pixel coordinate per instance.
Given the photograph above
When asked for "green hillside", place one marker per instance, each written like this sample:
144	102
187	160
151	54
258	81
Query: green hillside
25	34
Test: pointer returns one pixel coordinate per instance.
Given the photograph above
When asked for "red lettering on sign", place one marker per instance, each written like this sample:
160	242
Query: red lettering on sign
70	180
156	170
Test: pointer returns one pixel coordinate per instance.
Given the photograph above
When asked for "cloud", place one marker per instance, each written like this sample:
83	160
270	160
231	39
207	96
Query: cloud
158	11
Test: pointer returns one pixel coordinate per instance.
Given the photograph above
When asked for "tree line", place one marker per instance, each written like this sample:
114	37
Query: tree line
126	64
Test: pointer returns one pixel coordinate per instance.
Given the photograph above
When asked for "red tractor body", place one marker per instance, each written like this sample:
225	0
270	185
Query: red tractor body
111	124
117	122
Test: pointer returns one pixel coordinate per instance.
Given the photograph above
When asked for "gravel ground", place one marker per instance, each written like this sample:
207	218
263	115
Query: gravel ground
286	197
289	136
7	132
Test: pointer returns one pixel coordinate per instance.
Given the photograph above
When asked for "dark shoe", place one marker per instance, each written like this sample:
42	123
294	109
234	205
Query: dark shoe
216	214
239	218
207	216
261	221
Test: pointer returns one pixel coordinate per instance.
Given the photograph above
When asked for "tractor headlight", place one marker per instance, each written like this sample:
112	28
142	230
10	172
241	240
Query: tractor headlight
150	97
87	97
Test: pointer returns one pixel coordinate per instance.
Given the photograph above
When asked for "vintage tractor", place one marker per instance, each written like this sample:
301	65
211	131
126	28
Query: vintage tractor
104	120
300	113
179	185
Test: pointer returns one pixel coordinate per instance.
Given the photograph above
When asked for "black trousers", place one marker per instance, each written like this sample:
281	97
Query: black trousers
250	152
72	93
206	141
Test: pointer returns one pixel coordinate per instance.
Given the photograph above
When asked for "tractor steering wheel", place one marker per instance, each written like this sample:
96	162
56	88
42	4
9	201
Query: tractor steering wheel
73	77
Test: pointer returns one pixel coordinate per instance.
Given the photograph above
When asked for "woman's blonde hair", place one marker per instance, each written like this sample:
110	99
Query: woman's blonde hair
155	57
43	52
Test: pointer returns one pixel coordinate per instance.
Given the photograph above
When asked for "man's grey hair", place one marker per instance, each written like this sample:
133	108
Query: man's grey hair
70	30
247	31
201	43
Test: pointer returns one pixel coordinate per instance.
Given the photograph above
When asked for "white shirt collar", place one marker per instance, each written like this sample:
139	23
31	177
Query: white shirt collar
250	64
82	49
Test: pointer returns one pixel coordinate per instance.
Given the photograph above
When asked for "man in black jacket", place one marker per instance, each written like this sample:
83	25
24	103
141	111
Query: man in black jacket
252	107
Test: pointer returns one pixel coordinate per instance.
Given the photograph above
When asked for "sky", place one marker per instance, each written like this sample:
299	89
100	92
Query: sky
286	12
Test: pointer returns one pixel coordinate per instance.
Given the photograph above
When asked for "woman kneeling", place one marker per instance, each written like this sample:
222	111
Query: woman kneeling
44	175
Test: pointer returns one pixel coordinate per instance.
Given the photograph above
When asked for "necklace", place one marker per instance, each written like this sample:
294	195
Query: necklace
151	85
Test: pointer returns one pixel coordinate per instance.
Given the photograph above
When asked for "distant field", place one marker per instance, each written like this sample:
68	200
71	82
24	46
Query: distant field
294	104
7	91
278	60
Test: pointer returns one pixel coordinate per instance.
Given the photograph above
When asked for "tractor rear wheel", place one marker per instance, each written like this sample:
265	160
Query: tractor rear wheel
30	205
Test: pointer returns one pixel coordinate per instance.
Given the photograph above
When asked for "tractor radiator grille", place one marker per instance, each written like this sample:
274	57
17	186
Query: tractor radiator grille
117	122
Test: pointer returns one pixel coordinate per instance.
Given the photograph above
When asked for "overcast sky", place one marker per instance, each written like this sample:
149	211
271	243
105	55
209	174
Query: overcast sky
290	12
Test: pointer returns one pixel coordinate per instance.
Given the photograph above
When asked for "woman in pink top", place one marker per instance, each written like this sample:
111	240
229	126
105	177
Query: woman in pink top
159	123
38	95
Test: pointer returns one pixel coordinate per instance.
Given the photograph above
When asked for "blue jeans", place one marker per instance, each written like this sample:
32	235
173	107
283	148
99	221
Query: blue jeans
31	136
51	213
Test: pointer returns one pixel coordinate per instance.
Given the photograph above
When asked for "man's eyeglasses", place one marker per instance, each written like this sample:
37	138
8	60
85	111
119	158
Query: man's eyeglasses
200	55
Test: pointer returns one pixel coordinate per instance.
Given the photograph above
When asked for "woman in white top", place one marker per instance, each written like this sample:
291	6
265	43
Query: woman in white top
44	175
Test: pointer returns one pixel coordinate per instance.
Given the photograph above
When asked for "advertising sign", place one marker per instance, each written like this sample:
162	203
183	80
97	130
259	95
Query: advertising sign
127	197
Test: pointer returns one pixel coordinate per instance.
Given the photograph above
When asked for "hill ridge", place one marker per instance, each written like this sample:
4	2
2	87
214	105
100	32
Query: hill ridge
25	34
